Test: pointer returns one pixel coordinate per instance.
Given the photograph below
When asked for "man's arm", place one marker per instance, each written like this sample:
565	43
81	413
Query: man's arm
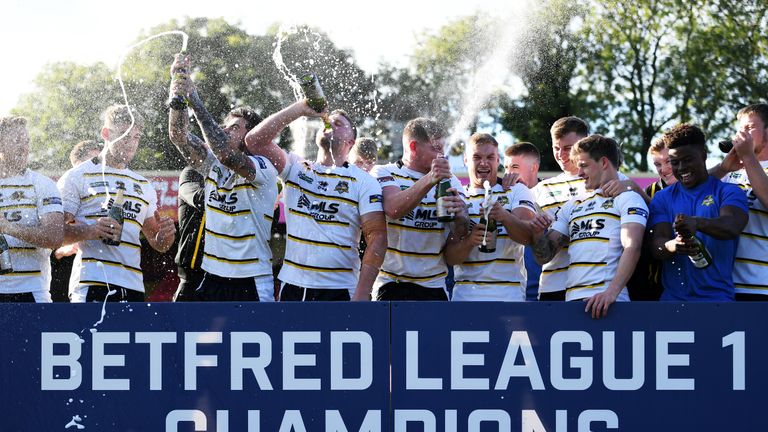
159	231
663	245
259	140
728	225
521	223
547	246
615	187
104	228
744	147
631	241
48	234
397	203
374	228
190	146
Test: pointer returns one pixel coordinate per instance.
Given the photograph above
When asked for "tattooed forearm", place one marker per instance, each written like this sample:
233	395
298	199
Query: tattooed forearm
190	146
545	248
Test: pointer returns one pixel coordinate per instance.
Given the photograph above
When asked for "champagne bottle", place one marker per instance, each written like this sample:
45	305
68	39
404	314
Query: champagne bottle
178	101
5	256
441	192
489	245
314	94
116	213
702	258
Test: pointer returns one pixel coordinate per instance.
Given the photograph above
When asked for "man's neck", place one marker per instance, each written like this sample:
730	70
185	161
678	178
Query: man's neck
112	162
479	183
408	163
328	158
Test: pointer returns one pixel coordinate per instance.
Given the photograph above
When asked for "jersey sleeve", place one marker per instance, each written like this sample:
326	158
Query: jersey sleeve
383	174
732	195
563	219
659	209
633	209
69	187
266	173
291	161
520	196
370	197
48	197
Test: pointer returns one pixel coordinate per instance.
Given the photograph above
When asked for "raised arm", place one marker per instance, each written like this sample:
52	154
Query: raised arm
397	203
190	146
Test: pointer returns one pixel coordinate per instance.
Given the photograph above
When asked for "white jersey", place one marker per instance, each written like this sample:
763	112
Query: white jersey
550	195
324	216
24	199
593	224
415	241
750	269
500	275
238	219
88	193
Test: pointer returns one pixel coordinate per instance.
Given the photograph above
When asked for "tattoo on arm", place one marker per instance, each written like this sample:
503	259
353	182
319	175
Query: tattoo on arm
190	146
546	248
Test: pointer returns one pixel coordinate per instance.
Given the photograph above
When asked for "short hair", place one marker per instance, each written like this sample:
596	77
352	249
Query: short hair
248	114
760	109
657	146
684	134
8	124
81	150
566	125
522	149
366	148
349	119
479	138
119	116
598	146
422	130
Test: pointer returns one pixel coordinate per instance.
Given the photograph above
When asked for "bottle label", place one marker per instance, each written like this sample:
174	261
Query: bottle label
441	211
5	261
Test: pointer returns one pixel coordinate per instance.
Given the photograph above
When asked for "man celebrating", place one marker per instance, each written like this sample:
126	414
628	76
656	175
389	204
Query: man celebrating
88	192
707	214
31	219
329	202
415	266
604	234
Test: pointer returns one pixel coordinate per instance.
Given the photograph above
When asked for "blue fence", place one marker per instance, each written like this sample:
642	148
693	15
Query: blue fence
326	367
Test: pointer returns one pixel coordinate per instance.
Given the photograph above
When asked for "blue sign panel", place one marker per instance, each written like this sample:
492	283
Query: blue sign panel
550	367
194	367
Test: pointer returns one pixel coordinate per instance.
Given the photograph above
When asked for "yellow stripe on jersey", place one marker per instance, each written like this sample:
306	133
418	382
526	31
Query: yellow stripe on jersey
583	287
125	243
334	175
413	278
404	177
487	283
752	261
104	194
567	182
113	264
109	174
754	236
588	264
17	186
557	270
317	242
763	288
411	228
499	260
132	221
608	215
761	212
237	213
413	254
318	195
23	249
315	268
198	238
320	221
594	239
24	273
221	189
245	237
230	261
269	218
555	204
18	206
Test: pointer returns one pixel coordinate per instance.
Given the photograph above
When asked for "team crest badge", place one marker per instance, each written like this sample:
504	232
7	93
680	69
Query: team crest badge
18	196
607	204
708	201
137	189
342	187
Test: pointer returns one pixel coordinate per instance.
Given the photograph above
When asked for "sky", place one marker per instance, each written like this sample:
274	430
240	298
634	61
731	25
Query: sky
37	32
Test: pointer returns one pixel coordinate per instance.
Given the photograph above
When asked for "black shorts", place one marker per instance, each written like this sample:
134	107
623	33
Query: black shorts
97	293
17	298
751	297
407	291
552	296
223	289
295	293
187	290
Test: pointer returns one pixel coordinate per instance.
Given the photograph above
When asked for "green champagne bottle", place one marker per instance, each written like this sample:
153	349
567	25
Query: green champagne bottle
441	192
489	245
116	213
5	256
314	94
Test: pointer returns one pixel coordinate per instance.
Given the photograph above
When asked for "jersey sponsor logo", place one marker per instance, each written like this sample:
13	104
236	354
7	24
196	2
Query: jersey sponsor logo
319	209
591	204
708	201
573	191
342	187
322	185
375	199
18	196
99	184
137	189
587	228
262	164
422	218
225	202
306	178
385	179
608	204
555	193
638	211
51	201
12	216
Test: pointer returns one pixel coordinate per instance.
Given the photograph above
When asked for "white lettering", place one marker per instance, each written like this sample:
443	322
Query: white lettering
155	341
519	341
583	364
364	341
291	361
49	360
586	418
665	360
102	361
412	379
334	422
192	360
609	362
459	359
257	365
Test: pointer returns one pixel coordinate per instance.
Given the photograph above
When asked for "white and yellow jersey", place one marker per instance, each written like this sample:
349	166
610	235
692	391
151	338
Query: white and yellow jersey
499	275
550	195
24	199
593	224
88	193
238	219
750	269
324	208
416	241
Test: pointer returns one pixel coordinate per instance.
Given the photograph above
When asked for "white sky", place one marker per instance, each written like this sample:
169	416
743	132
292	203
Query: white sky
36	32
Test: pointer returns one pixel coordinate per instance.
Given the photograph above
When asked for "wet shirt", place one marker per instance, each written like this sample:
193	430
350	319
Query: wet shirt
551	194
24	199
325	206
416	241
681	279
750	269
238	219
593	223
88	194
499	275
